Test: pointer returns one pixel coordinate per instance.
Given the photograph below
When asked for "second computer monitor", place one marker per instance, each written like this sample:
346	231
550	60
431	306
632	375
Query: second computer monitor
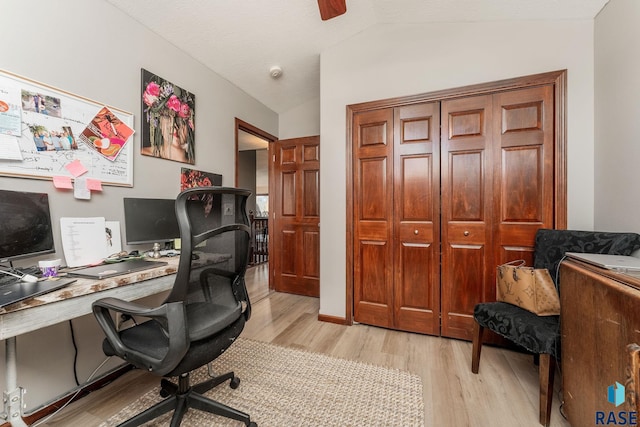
150	220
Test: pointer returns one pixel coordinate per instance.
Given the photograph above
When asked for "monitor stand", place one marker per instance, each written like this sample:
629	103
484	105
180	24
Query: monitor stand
156	251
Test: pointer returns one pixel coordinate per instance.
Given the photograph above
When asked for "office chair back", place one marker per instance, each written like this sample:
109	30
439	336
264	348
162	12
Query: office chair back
215	236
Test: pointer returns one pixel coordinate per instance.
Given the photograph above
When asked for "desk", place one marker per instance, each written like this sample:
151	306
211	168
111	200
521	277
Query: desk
599	319
65	304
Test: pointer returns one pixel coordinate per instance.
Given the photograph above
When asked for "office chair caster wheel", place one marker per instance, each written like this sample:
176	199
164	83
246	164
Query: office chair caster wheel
235	382
252	424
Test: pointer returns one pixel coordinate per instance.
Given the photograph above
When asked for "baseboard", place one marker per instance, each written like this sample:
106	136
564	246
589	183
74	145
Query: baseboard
333	319
76	395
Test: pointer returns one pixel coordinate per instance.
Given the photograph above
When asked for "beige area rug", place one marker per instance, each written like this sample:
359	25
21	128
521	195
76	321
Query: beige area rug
282	387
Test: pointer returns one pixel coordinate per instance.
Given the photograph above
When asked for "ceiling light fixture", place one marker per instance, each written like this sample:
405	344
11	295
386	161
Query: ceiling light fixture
275	71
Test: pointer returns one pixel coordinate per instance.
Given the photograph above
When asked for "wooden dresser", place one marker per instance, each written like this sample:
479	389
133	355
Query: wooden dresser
600	317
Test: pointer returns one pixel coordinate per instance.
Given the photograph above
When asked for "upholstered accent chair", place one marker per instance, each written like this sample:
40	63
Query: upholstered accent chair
540	335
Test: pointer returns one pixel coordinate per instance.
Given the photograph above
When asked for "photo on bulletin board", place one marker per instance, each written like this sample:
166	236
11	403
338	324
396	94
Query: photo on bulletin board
106	134
168	128
40	128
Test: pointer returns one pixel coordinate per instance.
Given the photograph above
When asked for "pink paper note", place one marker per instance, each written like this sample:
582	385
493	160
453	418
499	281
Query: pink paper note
76	168
94	184
63	182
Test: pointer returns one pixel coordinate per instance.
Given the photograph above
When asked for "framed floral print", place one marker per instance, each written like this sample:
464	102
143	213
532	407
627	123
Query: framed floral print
190	178
168	128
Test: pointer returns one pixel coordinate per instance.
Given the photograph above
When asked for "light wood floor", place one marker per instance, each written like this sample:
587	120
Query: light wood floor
503	394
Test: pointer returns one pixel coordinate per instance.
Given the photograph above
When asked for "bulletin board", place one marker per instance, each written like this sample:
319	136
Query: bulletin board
29	109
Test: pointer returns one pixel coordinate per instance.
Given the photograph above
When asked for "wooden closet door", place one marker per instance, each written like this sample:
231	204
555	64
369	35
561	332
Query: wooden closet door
497	191
416	289
373	217
467	164
524	174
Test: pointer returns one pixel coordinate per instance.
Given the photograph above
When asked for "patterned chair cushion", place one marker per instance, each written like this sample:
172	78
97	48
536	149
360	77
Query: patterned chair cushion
537	334
541	334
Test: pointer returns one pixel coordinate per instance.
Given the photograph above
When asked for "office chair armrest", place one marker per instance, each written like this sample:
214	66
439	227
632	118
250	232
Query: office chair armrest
126	307
170	316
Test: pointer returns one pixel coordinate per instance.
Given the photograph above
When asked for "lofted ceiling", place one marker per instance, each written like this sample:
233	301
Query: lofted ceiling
242	40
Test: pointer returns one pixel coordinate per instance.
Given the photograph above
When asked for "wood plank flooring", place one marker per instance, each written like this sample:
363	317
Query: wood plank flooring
503	394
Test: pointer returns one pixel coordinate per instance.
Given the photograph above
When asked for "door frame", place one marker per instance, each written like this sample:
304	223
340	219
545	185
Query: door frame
241	125
559	81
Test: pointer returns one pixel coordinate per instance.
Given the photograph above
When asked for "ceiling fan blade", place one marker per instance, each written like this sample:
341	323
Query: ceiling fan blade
331	8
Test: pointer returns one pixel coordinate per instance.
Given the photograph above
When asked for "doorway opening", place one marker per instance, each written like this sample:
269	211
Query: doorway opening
252	173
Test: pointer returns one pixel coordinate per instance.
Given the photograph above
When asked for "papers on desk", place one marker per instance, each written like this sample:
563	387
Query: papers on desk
88	241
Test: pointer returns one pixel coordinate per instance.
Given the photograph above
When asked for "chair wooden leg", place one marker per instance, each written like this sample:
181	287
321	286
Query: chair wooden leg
477	346
546	373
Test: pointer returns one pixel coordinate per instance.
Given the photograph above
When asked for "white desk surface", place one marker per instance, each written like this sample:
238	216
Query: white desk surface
75	299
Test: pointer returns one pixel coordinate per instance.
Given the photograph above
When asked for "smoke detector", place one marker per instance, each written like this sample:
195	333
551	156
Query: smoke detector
275	72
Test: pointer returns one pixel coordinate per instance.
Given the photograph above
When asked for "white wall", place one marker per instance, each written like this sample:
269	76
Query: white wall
396	60
617	116
303	120
89	48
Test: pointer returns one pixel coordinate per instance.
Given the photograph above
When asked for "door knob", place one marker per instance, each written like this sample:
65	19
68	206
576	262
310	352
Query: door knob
415	231
466	233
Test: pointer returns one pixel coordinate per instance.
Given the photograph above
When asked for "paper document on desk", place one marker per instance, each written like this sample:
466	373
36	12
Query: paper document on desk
83	240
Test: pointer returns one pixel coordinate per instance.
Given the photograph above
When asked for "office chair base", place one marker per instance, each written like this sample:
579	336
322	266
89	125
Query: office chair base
180	397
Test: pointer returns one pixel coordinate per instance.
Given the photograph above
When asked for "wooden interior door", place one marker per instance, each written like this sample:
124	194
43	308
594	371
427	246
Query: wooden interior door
467	164
416	218
373	217
296	216
523	135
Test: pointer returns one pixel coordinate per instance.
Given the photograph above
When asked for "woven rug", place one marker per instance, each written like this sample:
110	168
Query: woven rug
283	387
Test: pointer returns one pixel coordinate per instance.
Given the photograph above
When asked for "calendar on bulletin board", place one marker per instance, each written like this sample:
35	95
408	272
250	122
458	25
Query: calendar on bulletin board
44	129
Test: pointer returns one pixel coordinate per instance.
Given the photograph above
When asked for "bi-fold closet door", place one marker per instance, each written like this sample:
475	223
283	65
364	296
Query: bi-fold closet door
443	192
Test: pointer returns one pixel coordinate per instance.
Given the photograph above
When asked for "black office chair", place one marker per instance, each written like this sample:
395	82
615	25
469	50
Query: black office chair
540	335
204	312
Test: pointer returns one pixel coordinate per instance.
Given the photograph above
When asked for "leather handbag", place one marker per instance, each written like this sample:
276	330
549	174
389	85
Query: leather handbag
529	288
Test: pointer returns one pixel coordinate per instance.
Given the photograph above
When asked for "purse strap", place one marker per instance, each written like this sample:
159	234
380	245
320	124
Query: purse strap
516	263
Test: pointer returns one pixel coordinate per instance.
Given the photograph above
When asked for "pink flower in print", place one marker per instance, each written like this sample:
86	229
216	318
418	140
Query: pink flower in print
173	103
149	99
153	88
184	111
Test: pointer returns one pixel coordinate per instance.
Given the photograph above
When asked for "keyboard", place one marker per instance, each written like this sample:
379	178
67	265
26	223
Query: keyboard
6	280
34	270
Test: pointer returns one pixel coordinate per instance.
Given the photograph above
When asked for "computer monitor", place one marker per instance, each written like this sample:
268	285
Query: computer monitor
150	220
25	225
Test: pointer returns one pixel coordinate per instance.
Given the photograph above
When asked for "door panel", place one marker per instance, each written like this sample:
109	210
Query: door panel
467	204
524	140
287	239
296	218
373	217
467	185
416	189
373	173
466	287
289	193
